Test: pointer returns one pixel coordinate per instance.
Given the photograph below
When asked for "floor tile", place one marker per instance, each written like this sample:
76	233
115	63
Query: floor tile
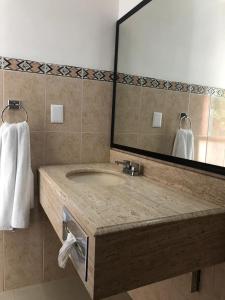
64	289
7	296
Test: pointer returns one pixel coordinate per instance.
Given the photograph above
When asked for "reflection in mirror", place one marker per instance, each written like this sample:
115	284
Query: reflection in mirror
170	92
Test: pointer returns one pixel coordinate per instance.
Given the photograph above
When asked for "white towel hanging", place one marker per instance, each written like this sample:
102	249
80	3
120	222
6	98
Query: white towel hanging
23	198
8	165
16	177
184	144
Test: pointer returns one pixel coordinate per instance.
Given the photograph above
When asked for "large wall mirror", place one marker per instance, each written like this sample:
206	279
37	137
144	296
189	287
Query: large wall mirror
169	92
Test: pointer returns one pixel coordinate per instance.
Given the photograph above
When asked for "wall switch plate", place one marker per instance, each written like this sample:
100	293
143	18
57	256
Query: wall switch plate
57	114
157	120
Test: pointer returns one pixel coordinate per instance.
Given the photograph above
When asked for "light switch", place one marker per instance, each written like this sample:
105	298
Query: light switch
56	113
157	120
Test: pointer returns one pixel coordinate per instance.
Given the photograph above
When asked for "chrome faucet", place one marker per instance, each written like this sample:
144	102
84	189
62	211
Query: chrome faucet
131	168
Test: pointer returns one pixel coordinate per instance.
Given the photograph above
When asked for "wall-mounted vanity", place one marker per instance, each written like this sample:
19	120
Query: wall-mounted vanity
136	230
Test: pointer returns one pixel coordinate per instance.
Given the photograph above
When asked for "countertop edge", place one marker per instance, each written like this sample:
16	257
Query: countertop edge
98	231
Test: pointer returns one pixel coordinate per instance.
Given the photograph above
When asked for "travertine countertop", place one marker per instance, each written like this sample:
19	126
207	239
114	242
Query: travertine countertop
136	202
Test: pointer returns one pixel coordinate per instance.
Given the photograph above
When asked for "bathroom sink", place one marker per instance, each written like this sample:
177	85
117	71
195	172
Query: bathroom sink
94	177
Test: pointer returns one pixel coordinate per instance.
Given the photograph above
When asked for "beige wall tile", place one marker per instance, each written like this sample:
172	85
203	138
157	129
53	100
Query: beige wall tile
97	106
23	261
199	113
30	88
217	117
62	148
170	103
176	103
126	139
156	143
1	92
200	145
153	100
216	151
95	148
216	135
68	92
37	140
128	101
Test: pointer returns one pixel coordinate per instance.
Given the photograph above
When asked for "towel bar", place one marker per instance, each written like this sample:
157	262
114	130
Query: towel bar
184	116
14	104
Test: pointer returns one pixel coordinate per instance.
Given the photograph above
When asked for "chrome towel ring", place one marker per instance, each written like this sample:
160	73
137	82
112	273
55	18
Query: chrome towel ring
184	116
14	104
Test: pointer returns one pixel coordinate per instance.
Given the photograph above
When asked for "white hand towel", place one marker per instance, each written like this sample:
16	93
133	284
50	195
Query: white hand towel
8	165
184	144
23	198
65	251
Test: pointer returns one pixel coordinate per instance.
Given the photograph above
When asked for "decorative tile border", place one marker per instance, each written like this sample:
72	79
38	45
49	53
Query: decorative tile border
22	65
100	75
62	70
169	85
129	79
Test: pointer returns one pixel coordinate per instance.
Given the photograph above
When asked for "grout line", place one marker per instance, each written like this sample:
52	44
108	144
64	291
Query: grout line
45	124
43	251
81	116
209	120
4	256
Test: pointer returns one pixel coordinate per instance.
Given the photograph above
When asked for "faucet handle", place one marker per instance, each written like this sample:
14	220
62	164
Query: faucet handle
136	169
125	163
131	168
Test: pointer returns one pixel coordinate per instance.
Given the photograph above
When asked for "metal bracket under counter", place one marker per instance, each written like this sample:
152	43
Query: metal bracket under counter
195	281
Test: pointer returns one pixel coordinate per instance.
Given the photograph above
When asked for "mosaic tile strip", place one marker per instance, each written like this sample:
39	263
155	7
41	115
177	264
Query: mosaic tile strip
154	83
23	65
178	86
169	85
63	70
129	79
98	75
1	62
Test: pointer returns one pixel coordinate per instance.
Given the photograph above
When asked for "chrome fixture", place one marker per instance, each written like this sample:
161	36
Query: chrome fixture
131	168
16	105
196	281
184	117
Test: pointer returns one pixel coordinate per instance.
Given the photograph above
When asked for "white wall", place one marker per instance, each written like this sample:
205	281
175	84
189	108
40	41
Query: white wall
74	32
176	40
126	5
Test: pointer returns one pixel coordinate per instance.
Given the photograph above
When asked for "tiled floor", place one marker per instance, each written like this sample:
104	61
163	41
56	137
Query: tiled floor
66	289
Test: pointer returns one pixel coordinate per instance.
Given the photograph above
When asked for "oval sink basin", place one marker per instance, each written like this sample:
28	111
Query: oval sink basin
96	178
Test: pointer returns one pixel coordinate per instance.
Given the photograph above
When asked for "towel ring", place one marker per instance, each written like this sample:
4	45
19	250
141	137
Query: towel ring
185	118
13	104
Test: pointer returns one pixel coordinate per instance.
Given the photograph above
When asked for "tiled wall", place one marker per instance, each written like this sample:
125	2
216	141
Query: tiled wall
138	98
30	256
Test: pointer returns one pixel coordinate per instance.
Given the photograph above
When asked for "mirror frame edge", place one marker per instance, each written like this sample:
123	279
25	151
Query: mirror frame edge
148	154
